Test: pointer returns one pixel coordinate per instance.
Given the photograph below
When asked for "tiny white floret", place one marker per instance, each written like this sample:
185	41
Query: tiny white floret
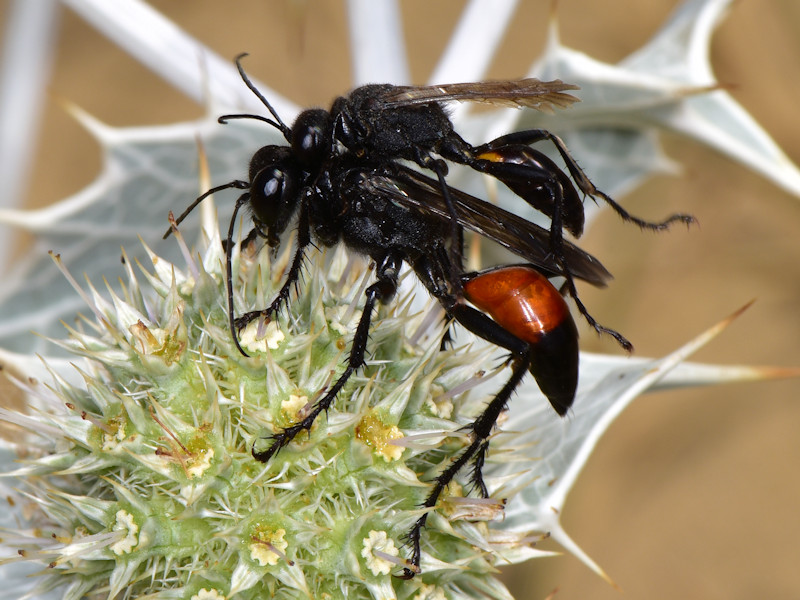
200	462
125	522
262	552
205	594
254	338
380	541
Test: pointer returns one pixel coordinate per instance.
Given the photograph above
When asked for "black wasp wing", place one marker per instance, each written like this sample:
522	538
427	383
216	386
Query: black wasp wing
530	93
525	239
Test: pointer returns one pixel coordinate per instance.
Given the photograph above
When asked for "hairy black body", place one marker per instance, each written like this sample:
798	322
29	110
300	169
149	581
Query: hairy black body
340	180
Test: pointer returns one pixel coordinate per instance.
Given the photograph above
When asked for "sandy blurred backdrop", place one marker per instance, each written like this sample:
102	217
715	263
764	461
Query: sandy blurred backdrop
692	494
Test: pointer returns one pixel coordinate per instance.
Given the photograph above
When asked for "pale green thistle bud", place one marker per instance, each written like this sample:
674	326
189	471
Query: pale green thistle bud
147	480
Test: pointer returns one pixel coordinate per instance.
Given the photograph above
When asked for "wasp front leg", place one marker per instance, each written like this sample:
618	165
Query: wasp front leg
292	277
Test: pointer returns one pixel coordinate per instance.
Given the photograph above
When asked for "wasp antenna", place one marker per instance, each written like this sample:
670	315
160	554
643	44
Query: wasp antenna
238	184
286	131
243	199
223	120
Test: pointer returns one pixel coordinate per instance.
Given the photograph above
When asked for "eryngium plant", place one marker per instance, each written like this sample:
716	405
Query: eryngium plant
141	479
136	471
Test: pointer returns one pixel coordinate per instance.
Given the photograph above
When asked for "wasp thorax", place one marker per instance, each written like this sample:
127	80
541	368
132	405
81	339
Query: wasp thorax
311	135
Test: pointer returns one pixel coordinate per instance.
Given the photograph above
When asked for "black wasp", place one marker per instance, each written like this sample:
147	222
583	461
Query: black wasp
341	179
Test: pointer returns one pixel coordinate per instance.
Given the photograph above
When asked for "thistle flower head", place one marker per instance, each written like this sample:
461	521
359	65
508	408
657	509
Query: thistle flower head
141	479
136	478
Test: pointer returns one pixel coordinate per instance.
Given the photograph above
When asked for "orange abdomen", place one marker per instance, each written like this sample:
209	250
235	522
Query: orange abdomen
520	299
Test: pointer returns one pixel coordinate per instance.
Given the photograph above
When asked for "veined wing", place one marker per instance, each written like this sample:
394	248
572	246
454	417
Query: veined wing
530	93
525	239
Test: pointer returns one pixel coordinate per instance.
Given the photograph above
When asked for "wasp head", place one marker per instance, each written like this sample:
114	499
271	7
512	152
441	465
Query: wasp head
275	177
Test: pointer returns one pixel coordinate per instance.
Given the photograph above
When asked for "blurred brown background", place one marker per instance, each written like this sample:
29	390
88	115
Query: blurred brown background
692	494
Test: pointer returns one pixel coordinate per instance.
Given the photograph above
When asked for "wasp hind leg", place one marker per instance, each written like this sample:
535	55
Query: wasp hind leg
585	185
481	430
